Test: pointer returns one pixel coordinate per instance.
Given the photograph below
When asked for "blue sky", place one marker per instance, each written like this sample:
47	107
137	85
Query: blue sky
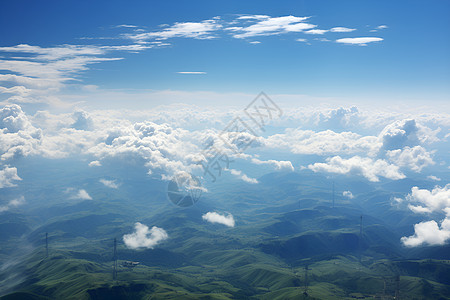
363	86
411	62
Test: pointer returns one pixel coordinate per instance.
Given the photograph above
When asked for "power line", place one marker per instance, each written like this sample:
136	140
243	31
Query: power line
115	260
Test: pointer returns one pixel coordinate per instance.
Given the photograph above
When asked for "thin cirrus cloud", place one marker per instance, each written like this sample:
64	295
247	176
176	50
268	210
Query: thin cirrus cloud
361	41
191	73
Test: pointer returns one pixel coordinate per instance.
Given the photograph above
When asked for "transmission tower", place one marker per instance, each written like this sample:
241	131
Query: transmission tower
360	237
115	260
306	281
333	194
46	244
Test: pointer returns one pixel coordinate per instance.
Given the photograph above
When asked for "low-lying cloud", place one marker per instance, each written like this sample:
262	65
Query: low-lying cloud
213	217
143	237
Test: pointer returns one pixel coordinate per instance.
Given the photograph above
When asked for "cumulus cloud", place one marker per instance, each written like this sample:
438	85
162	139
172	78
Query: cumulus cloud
415	158
361	41
7	177
356	165
142	237
429	201
430	233
109	183
423	201
348	194
277	164
323	142
12	204
82	121
18	137
214	217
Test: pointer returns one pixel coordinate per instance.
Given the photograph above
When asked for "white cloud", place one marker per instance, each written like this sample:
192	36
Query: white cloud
429	201
197	30
12	204
255	42
278	165
192	73
423	201
243	176
382	27
142	237
348	194
356	165
17	135
109	183
342	29
323	142
214	217
432	177
7	177
316	31
430	233
266	25
362	41
95	163
79	195
302	40
415	158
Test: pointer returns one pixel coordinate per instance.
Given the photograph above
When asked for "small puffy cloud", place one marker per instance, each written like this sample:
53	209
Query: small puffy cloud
415	158
7	177
342	29
214	217
430	233
382	27
348	194
243	176
356	165
109	183
277	164
361	41
13	203
95	163
79	195
142	237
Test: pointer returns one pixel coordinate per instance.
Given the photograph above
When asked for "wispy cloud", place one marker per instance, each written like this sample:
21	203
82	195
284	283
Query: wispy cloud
191	73
143	237
109	183
361	41
214	217
12	204
81	194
